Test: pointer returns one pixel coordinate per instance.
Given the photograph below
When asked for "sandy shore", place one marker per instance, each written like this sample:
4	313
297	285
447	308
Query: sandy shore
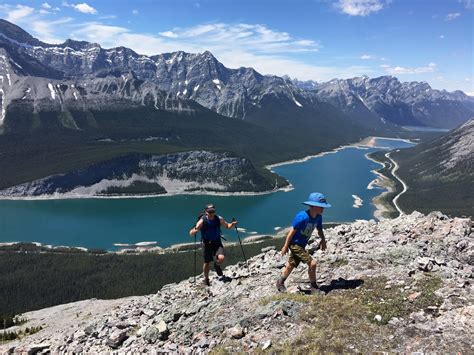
382	208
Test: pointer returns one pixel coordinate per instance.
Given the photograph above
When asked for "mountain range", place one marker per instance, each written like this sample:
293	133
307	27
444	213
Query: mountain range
68	99
440	173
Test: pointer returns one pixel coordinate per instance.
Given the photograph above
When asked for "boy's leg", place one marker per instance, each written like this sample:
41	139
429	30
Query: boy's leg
312	273
293	262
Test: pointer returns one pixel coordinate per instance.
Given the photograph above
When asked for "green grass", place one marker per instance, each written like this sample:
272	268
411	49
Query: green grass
343	321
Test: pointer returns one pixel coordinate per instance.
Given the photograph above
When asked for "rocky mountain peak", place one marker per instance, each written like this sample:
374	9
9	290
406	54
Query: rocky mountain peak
79	45
15	33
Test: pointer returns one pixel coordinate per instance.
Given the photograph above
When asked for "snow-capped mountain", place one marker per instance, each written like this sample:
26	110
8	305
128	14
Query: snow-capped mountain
407	103
78	75
81	73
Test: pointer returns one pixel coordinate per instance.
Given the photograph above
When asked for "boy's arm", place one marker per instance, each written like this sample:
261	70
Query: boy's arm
289	236
195	229
323	238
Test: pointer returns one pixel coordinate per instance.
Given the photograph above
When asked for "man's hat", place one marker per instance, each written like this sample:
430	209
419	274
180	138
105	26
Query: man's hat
210	208
317	199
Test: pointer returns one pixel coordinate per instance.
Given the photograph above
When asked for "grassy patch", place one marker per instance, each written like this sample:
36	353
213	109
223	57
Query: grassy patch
8	336
343	321
392	302
295	297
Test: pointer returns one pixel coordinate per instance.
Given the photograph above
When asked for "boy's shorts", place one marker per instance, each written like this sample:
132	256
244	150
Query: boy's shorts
298	254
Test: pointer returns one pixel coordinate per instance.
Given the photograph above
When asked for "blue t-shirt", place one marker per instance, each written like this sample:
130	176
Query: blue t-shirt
304	225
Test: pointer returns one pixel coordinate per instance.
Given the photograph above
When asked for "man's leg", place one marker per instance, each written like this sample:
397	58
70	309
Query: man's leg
205	270
207	254
219	260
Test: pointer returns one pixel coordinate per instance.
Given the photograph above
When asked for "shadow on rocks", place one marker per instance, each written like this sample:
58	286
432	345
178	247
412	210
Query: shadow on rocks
341	284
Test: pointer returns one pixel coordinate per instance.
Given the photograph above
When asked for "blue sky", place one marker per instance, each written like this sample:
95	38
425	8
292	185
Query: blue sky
422	40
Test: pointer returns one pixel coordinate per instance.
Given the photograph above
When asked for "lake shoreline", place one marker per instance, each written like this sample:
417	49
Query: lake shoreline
365	143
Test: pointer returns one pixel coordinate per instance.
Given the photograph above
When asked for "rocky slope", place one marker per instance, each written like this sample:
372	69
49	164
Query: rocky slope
195	171
401	285
401	103
440	170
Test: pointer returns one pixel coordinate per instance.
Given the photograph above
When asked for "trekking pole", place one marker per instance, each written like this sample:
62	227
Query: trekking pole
240	242
195	258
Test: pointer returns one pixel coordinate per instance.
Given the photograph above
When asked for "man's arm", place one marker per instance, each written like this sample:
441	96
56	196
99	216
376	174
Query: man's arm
227	225
289	236
195	229
323	238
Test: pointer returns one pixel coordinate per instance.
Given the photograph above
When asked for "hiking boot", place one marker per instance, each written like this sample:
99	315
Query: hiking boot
281	286
218	269
224	278
206	282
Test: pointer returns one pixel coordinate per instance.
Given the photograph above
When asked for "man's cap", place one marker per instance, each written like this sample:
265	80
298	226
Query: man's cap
317	199
210	208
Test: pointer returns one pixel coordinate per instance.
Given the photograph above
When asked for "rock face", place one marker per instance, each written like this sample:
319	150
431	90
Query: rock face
245	314
408	103
195	171
441	167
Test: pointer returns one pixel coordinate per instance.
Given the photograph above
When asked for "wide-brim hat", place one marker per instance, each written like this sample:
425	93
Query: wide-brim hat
317	199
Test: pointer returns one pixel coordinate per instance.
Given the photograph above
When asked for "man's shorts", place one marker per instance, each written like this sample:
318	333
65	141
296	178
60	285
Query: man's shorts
298	254
211	248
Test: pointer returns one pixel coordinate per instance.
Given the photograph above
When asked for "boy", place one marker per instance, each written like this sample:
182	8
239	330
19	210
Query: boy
298	237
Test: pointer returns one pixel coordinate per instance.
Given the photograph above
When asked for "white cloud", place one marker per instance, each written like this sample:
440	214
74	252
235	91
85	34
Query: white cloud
17	13
469	93
467	79
169	34
247	37
367	56
47	6
361	7
452	16
45	29
441	37
469	4
84	8
135	12
431	67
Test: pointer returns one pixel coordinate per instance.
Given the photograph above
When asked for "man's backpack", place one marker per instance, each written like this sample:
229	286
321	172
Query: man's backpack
205	224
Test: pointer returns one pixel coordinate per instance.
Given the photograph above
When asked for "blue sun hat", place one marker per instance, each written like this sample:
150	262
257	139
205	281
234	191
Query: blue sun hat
317	199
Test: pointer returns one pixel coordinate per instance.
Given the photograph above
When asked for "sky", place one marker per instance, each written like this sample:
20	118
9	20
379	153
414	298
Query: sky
414	40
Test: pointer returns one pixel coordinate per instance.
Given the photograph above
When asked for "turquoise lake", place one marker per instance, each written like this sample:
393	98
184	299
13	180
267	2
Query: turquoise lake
100	223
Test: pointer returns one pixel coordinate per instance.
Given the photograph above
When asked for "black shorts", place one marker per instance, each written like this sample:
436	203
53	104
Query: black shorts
211	248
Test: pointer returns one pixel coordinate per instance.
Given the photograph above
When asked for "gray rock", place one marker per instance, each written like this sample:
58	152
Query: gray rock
236	332
156	332
116	338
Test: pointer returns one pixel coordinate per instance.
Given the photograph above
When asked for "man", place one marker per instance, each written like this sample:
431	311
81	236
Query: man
298	237
210	226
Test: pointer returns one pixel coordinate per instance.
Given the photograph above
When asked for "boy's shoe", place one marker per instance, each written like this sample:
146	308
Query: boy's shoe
316	291
281	286
206	282
218	270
